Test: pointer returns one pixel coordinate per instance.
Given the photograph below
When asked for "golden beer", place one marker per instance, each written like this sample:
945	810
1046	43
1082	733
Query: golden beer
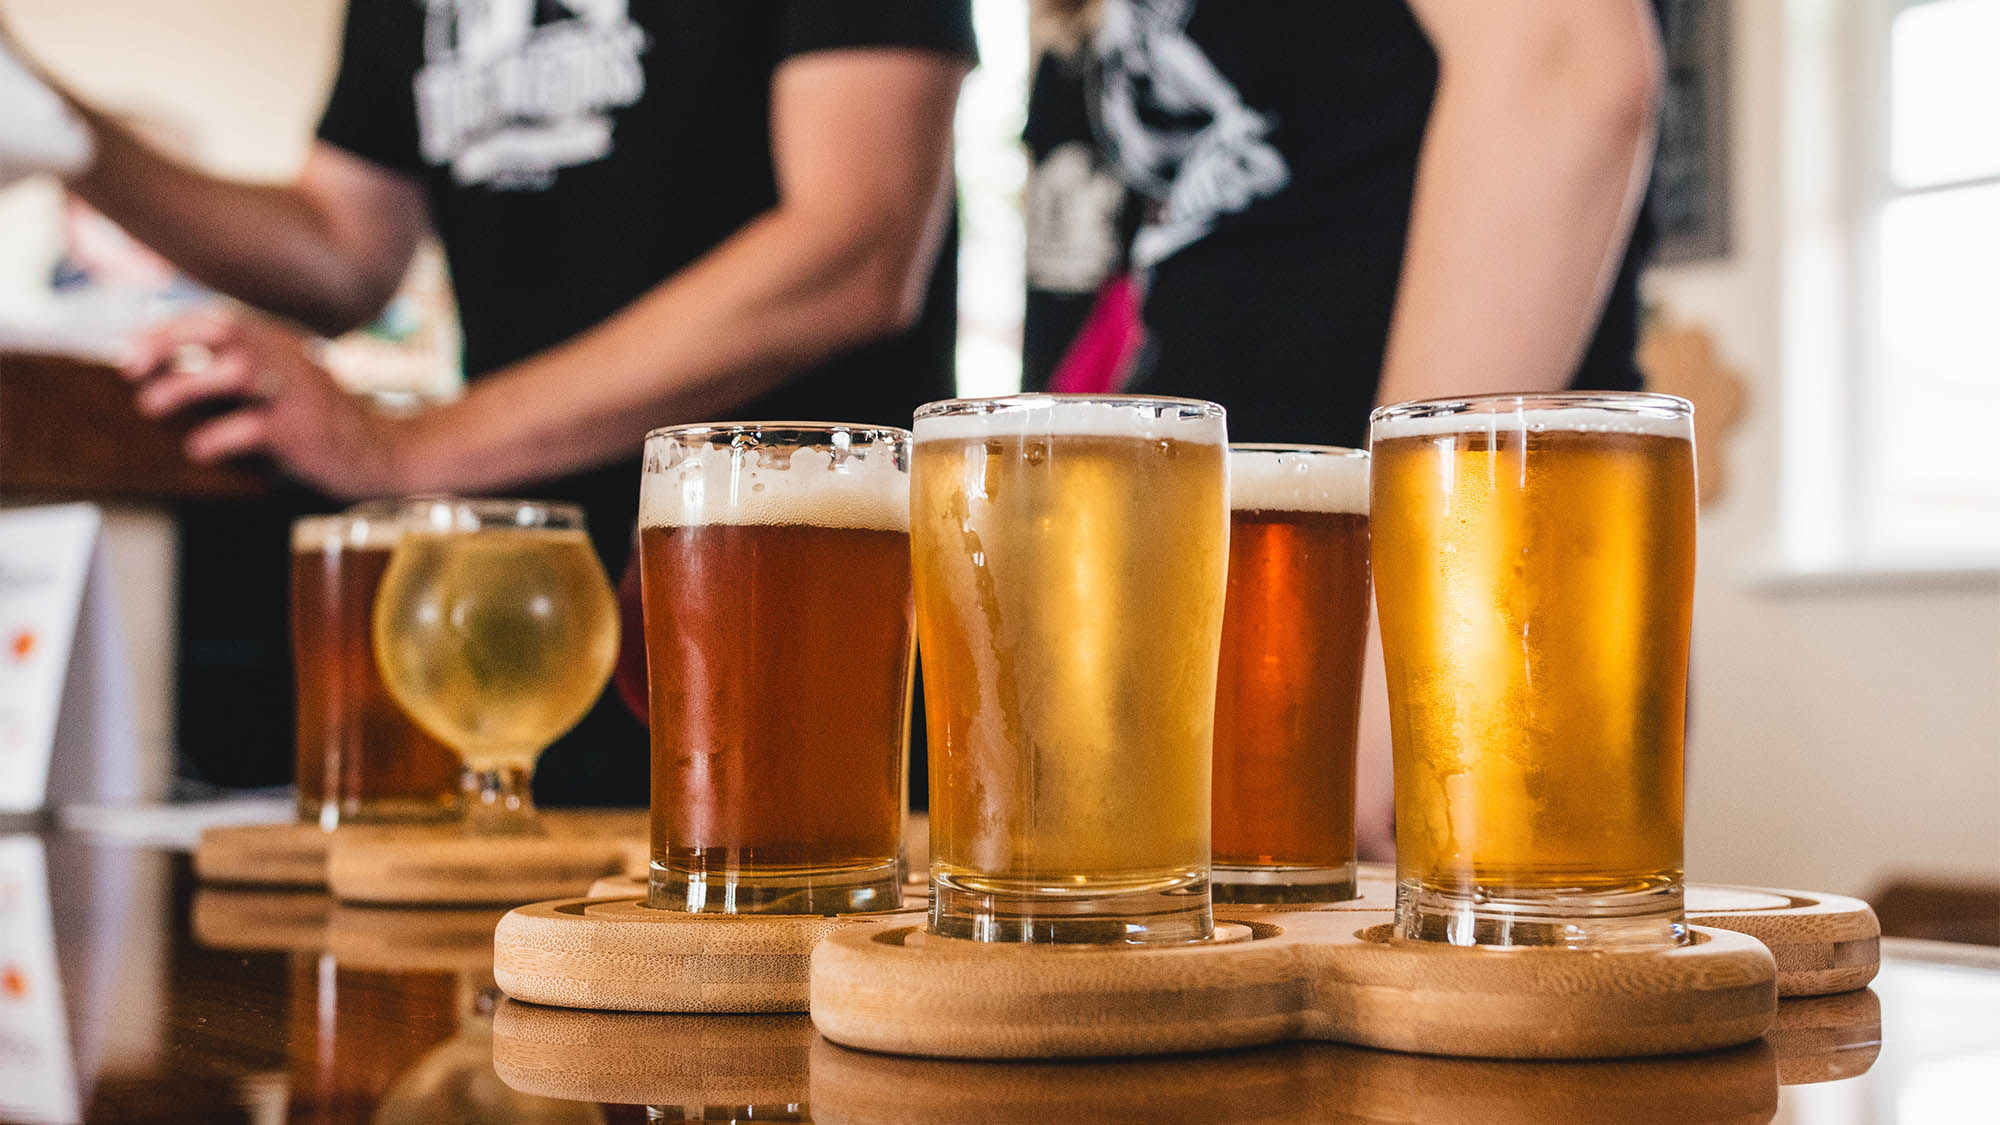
775	564
1070	561
1534	570
496	630
360	758
1288	691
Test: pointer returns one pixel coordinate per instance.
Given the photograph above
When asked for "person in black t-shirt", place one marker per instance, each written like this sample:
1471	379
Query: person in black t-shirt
1363	202
653	213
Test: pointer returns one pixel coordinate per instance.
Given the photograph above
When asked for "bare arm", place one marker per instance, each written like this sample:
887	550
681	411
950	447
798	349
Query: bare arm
326	250
861	142
1537	152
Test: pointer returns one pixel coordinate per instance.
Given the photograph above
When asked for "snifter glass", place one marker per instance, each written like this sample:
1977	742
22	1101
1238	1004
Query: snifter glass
496	630
1534	573
1070	561
1288	692
775	579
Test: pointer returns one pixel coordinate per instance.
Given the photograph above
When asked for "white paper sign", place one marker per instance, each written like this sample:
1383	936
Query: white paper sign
45	558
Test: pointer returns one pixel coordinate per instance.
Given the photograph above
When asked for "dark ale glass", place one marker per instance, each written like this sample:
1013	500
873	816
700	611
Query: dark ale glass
1288	689
360	757
775	566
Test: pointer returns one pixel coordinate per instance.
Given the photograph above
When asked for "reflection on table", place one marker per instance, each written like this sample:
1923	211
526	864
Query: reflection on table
129	994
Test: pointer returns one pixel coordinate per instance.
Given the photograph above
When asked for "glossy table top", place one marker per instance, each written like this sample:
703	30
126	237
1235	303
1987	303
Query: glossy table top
127	993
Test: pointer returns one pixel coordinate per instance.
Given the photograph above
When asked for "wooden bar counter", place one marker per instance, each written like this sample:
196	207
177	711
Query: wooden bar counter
182	1003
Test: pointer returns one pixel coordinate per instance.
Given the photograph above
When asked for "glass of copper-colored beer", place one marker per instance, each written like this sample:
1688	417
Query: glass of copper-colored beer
1288	689
360	756
1534	571
1071	555
775	569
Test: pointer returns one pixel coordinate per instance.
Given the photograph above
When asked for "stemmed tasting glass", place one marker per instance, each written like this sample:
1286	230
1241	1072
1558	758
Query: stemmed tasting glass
496	629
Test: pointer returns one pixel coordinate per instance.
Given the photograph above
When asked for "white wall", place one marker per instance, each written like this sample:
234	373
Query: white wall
1844	731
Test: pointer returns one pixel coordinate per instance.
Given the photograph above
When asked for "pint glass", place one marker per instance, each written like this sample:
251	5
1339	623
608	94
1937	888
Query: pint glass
360	757
775	569
1070	561
1288	687
1534	568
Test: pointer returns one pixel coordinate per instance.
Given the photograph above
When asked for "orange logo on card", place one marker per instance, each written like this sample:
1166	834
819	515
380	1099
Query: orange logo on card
13	982
21	645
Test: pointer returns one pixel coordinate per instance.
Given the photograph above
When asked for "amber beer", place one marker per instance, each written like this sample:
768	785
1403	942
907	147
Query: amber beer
1288	688
1070	561
775	566
1534	570
360	757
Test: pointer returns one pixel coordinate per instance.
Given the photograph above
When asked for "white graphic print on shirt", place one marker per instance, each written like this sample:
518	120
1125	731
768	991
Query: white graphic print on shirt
1176	126
512	90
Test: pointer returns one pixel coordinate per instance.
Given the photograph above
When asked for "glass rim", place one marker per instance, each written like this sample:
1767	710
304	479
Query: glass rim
505	512
1002	404
1652	403
1282	447
875	431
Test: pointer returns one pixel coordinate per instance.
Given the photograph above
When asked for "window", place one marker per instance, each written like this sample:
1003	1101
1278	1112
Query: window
1927	388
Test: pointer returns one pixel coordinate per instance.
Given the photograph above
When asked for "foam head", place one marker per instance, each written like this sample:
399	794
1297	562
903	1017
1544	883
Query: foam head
1298	479
1029	416
373	528
858	481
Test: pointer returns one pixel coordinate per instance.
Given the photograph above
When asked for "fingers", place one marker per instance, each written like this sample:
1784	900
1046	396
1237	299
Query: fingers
230	375
235	434
162	345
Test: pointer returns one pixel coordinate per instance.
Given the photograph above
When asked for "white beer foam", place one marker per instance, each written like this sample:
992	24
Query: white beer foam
1047	416
346	532
1288	480
1560	419
746	487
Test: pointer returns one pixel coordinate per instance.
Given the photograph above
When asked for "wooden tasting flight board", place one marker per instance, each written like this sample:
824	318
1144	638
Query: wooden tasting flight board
435	865
779	1060
1273	975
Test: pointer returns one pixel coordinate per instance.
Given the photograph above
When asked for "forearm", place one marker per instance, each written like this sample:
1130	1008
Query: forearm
1526	189
782	293
264	244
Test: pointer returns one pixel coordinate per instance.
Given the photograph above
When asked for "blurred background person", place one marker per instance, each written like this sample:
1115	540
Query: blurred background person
650	215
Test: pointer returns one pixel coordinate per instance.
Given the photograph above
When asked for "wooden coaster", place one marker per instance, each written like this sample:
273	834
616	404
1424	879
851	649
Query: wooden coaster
1823	943
269	855
649	1058
618	886
618	955
1327	975
441	865
260	921
1826	1038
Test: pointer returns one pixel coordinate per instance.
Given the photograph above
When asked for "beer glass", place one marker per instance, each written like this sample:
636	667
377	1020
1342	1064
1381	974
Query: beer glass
360	758
1288	688
1534	570
496	630
775	576
1071	554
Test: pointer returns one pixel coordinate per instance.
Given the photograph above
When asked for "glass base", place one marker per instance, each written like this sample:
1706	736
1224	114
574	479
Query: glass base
1171	910
853	890
1650	915
1266	885
379	810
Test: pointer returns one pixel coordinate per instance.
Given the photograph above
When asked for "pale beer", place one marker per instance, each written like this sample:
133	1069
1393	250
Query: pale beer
1070	563
1534	568
360	757
496	629
775	568
1288	686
